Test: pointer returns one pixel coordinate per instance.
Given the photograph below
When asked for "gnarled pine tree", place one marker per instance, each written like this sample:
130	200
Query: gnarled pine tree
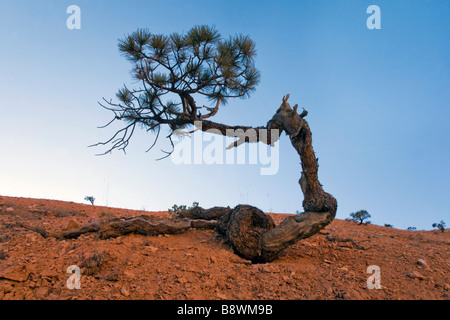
170	71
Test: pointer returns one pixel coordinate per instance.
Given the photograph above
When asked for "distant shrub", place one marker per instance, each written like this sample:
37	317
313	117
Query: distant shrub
177	210
91	199
387	225
440	225
359	217
64	213
411	228
106	215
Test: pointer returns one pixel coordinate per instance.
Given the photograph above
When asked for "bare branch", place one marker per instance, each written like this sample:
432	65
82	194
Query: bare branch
213	111
156	139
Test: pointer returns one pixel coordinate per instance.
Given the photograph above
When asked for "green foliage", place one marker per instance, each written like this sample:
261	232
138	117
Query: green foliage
387	225
439	226
411	229
359	217
91	199
199	61
169	69
176	210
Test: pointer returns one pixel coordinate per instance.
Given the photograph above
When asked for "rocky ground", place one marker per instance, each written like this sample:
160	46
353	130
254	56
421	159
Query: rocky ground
200	265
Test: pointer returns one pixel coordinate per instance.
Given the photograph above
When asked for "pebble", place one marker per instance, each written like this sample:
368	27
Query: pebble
72	225
344	269
125	291
182	280
423	263
42	292
129	274
415	275
152	249
221	296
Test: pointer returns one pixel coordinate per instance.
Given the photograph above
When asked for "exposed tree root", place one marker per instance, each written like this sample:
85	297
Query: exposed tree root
144	225
336	239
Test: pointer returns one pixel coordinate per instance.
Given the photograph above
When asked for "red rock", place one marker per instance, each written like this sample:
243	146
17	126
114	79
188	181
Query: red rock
415	275
15	273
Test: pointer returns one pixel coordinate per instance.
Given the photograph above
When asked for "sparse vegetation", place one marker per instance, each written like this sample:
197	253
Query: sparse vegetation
387	225
106	215
440	225
411	229
176	210
91	199
359	217
67	213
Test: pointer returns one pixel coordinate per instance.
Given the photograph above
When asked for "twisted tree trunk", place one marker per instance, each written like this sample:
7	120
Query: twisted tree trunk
320	207
252	234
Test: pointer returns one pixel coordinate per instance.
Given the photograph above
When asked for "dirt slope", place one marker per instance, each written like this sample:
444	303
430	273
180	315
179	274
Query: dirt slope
199	265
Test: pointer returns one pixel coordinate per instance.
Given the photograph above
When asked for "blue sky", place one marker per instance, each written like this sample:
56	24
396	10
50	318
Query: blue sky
378	102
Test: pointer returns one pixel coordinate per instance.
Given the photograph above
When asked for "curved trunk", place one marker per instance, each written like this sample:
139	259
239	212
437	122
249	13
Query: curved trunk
251	233
254	237
320	207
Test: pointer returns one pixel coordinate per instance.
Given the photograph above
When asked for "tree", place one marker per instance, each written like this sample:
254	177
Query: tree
170	72
91	199
359	217
440	225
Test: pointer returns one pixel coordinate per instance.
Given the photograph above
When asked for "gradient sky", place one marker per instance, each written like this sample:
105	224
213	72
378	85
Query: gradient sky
378	102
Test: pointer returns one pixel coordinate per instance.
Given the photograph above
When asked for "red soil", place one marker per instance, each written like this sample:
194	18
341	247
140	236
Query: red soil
199	265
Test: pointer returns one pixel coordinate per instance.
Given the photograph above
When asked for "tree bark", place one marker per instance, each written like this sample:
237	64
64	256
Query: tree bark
252	234
320	207
144	225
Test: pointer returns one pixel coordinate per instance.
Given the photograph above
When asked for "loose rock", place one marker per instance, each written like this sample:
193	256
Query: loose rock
125	292
423	263
415	275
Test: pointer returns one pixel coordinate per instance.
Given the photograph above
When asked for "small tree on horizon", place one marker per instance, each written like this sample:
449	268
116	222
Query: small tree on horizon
91	199
440	225
359	217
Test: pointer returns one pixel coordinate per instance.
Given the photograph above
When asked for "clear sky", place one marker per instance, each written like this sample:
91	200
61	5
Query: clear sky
378	102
